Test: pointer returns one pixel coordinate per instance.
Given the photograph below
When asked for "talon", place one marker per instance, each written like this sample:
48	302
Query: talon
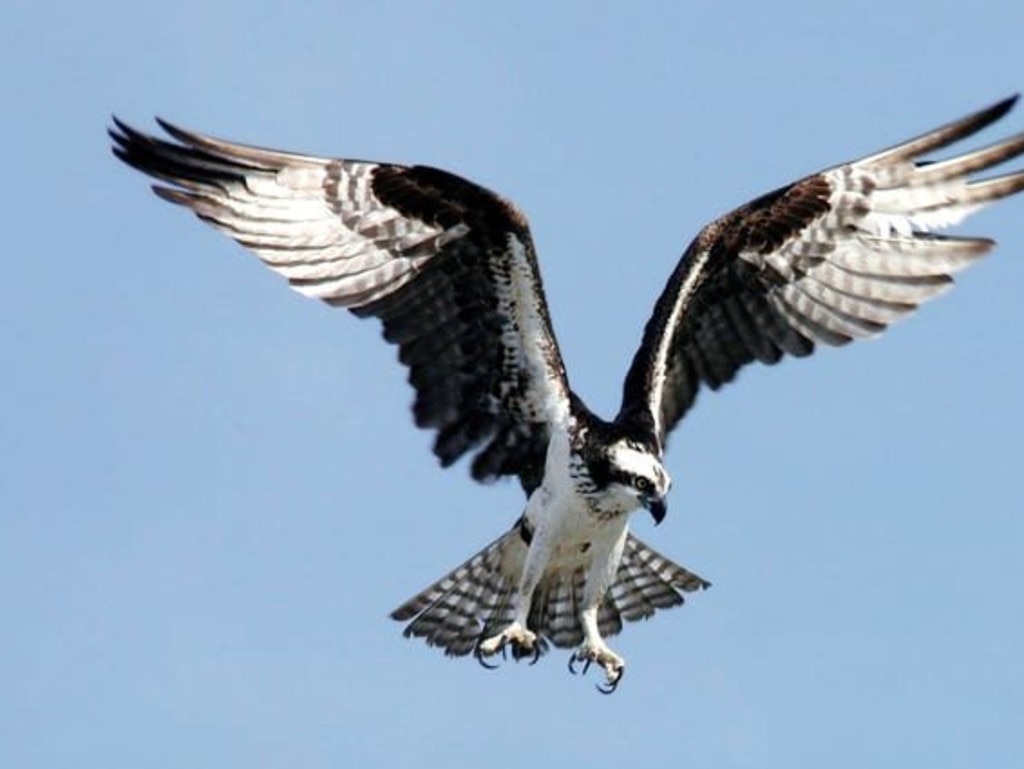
522	640
483	662
611	663
612	684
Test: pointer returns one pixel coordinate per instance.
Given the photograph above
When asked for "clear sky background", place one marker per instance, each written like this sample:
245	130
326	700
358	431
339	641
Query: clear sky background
211	491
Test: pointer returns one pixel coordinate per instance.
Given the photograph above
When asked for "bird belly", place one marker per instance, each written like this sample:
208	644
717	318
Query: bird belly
578	537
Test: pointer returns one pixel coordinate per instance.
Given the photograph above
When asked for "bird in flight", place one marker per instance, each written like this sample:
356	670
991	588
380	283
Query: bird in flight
449	269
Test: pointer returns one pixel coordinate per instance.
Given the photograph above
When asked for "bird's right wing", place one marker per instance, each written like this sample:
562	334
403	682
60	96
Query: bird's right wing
446	265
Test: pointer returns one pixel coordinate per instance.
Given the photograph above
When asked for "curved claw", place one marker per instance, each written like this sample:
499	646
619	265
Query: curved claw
484	663
612	684
576	658
520	652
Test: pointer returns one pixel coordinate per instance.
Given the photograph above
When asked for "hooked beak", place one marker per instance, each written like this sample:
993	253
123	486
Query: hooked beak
655	504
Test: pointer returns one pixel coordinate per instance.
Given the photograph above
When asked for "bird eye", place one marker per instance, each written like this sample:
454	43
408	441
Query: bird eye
641	484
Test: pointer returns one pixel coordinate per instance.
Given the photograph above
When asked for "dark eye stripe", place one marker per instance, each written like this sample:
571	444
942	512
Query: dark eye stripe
639	482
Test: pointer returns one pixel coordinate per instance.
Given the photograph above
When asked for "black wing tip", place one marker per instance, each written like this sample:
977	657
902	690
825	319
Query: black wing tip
166	125
987	116
172	195
122	134
999	109
118	129
123	127
403	613
176	132
129	142
1011	100
125	135
181	158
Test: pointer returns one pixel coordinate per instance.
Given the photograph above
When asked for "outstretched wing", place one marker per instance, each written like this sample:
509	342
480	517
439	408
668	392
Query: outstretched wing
447	266
833	257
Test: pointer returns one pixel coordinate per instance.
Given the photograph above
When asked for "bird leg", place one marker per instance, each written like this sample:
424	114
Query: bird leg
594	649
522	640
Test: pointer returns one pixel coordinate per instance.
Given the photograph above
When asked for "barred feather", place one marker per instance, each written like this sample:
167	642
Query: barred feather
836	256
446	265
475	600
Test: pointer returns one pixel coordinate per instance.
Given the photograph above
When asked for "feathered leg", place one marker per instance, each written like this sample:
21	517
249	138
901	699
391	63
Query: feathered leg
517	634
594	649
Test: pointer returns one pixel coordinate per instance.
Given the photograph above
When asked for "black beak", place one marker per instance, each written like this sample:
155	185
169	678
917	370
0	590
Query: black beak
656	506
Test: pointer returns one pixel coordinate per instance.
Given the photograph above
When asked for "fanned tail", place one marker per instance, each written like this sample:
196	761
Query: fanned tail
471	602
475	600
646	581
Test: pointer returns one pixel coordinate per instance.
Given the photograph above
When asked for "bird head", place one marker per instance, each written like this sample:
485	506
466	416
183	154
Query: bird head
629	476
637	474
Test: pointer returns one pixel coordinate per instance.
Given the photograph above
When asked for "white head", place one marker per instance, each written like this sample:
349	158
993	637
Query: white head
629	476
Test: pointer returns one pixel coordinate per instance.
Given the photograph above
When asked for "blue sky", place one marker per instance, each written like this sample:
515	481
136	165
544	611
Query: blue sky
213	493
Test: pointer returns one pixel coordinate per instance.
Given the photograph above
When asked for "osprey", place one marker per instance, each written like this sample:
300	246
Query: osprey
450	270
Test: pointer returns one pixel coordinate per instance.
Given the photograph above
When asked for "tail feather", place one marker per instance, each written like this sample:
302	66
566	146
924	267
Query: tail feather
456	611
648	581
475	600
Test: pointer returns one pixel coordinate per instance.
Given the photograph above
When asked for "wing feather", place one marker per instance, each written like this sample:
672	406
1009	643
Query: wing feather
836	256
447	266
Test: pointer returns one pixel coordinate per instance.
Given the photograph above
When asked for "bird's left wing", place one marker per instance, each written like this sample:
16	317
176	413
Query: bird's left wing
446	265
836	256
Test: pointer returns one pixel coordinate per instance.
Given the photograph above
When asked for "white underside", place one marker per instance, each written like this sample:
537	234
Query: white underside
567	536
